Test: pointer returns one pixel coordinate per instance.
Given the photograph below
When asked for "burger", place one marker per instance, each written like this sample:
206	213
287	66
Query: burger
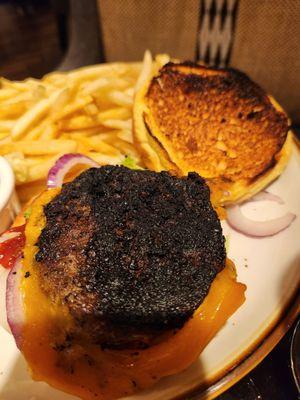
117	278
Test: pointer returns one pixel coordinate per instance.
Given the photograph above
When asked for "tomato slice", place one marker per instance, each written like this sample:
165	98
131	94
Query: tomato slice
11	245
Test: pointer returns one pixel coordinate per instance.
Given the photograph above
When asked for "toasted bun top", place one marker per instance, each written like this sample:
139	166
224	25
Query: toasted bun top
216	122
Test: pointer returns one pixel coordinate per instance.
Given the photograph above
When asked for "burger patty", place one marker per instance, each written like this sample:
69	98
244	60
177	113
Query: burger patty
131	253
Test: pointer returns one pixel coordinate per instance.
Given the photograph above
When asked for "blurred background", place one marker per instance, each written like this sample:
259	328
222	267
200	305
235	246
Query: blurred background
260	37
32	37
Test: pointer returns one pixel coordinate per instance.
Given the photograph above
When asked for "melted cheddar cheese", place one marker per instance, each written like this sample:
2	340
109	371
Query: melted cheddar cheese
87	371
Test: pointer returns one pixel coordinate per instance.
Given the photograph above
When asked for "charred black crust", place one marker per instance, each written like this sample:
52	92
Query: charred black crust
154	246
226	79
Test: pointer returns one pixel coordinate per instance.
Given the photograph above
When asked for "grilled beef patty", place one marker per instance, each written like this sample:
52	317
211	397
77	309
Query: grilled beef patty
131	253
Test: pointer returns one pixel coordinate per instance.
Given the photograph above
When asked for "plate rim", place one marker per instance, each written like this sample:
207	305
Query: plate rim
250	357
265	342
268	337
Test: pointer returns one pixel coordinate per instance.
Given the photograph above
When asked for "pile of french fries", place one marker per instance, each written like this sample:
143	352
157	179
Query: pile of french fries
88	111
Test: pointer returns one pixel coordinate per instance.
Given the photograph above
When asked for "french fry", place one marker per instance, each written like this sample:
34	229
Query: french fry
113	116
35	133
145	71
162	59
27	191
76	135
31	161
129	91
88	110
50	132
25	86
104	159
109	136
13	110
126	135
19	166
120	98
117	124
33	115
16	98
100	146
6	125
39	147
103	84
60	102
93	71
95	86
91	109
55	78
126	148
71	109
7	93
77	123
4	136
40	171
39	92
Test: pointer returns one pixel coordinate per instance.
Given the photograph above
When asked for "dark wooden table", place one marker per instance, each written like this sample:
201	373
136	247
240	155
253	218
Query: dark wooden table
272	379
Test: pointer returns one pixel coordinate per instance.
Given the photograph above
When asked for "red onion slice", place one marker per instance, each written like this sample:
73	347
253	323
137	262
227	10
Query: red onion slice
14	303
3	279
7	235
239	222
264	195
63	165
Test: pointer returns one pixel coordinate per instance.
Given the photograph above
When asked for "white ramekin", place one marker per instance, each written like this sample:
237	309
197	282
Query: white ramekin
9	203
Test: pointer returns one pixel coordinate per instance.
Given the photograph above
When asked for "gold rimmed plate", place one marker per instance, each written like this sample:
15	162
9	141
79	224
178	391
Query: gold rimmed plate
270	267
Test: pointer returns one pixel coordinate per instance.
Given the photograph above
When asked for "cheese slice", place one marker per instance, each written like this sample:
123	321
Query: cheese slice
87	371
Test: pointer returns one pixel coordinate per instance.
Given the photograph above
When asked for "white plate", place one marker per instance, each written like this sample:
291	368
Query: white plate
270	267
9	203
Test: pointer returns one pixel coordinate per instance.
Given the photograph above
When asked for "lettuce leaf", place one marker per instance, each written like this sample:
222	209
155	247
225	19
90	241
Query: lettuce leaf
130	163
27	212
